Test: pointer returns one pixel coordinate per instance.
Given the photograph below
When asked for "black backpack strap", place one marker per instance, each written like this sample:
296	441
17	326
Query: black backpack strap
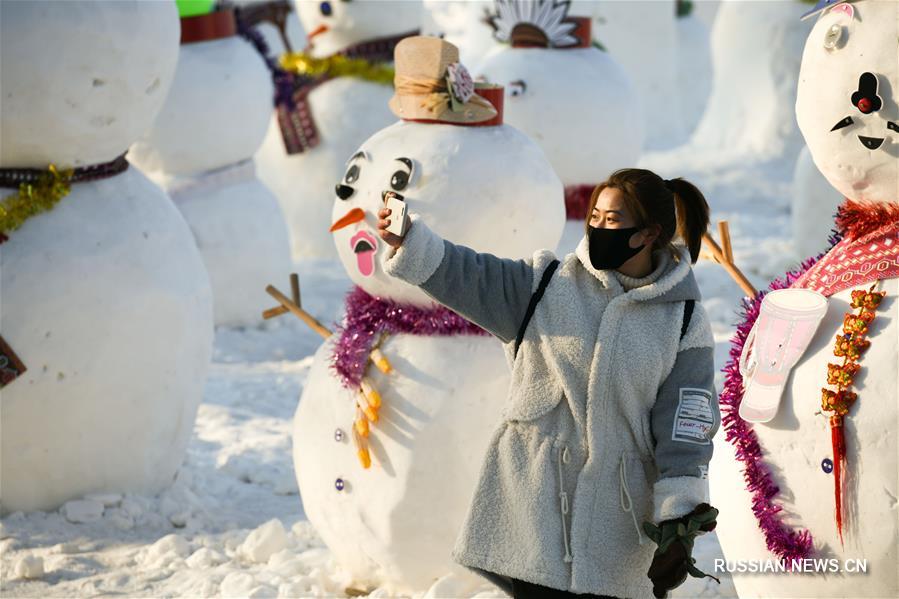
688	314
535	299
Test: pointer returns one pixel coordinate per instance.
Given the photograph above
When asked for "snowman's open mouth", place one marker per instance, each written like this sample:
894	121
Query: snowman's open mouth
872	143
364	245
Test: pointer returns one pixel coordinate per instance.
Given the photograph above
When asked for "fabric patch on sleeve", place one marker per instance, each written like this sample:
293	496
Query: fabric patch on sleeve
694	419
703	472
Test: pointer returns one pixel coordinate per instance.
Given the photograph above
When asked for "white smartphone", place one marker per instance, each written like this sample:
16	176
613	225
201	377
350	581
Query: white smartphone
398	218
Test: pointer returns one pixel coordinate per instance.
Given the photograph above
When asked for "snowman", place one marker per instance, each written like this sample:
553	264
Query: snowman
816	476
200	150
386	474
756	49
643	38
572	98
461	23
106	303
343	85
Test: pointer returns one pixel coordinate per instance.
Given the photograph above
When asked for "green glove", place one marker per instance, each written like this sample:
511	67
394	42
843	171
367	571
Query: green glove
673	558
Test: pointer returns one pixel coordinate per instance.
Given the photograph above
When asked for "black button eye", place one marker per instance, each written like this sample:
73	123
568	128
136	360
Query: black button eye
352	174
399	180
326	9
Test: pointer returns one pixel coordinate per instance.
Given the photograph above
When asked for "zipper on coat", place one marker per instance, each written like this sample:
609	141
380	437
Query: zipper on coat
625	497
564	457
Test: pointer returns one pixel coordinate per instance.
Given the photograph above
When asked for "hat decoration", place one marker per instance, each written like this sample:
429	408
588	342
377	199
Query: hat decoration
822	5
538	24
432	85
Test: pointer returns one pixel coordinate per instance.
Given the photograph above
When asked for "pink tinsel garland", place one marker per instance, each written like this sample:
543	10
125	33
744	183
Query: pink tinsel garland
781	539
368	316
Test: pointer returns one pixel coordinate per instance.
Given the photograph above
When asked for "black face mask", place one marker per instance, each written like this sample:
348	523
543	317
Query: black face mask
609	248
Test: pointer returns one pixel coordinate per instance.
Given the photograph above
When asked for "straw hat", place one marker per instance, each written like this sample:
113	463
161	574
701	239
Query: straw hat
432	85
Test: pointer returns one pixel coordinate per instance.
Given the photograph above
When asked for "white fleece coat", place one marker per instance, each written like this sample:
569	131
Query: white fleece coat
600	431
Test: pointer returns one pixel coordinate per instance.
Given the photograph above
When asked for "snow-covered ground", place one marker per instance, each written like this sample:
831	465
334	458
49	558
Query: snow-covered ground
232	524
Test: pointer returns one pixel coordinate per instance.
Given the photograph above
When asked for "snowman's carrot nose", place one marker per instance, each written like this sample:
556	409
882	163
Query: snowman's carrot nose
353	216
317	31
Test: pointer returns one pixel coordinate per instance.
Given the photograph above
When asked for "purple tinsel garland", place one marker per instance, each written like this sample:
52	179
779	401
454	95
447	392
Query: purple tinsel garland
781	539
368	316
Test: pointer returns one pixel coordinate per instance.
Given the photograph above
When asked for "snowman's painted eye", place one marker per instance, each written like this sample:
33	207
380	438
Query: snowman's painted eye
352	174
400	179
517	88
326	9
835	37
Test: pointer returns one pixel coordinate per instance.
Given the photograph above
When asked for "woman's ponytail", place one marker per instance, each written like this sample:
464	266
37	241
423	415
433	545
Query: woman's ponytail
692	214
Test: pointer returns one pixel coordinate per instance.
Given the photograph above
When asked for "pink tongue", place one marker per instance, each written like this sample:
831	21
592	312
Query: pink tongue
366	263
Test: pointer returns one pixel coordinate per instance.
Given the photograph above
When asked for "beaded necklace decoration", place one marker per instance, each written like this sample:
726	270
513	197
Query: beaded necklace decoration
849	345
40	190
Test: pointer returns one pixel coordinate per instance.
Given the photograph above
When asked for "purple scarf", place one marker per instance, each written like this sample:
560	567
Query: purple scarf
368	316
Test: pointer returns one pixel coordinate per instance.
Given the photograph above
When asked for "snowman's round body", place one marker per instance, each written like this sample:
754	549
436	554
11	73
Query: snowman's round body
815	202
756	49
578	104
642	37
200	150
847	41
489	188
105	297
345	110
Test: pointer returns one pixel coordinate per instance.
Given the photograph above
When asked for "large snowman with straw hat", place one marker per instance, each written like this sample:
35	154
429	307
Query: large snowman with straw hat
392	425
813	413
106	306
571	97
340	89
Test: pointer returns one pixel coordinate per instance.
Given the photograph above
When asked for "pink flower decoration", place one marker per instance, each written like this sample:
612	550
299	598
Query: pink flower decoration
461	83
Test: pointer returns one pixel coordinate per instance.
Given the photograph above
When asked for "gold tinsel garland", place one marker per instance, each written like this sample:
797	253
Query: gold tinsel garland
34	198
336	66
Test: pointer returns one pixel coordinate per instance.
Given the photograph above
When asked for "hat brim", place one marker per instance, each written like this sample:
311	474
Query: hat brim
409	107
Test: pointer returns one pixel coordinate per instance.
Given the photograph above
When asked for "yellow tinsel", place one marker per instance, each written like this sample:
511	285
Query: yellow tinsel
336	66
34	198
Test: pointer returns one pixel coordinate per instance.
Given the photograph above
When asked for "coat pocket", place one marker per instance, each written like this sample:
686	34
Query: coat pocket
531	401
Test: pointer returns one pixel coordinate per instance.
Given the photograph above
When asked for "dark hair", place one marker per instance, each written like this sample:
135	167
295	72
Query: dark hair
676	205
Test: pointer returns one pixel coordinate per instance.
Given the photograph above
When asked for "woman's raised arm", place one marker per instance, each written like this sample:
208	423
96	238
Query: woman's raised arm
491	292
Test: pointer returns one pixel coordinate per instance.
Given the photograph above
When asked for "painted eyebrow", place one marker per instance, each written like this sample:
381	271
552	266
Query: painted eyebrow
405	161
843	123
359	154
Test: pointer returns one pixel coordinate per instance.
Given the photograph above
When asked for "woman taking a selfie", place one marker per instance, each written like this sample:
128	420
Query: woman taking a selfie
605	438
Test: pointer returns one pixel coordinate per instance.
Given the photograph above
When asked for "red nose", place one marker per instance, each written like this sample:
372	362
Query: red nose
864	104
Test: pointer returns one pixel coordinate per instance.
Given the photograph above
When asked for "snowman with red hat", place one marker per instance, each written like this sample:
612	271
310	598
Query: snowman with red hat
338	95
399	406
811	397
571	97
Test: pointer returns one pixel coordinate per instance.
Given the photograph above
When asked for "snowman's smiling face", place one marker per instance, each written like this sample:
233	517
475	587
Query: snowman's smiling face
332	25
487	188
846	103
355	210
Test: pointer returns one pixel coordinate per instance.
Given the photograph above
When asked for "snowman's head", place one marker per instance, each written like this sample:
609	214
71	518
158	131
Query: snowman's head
488	188
81	81
332	25
570	97
846	104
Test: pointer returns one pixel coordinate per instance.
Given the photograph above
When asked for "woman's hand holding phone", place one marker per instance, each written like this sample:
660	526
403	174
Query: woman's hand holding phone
384	224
